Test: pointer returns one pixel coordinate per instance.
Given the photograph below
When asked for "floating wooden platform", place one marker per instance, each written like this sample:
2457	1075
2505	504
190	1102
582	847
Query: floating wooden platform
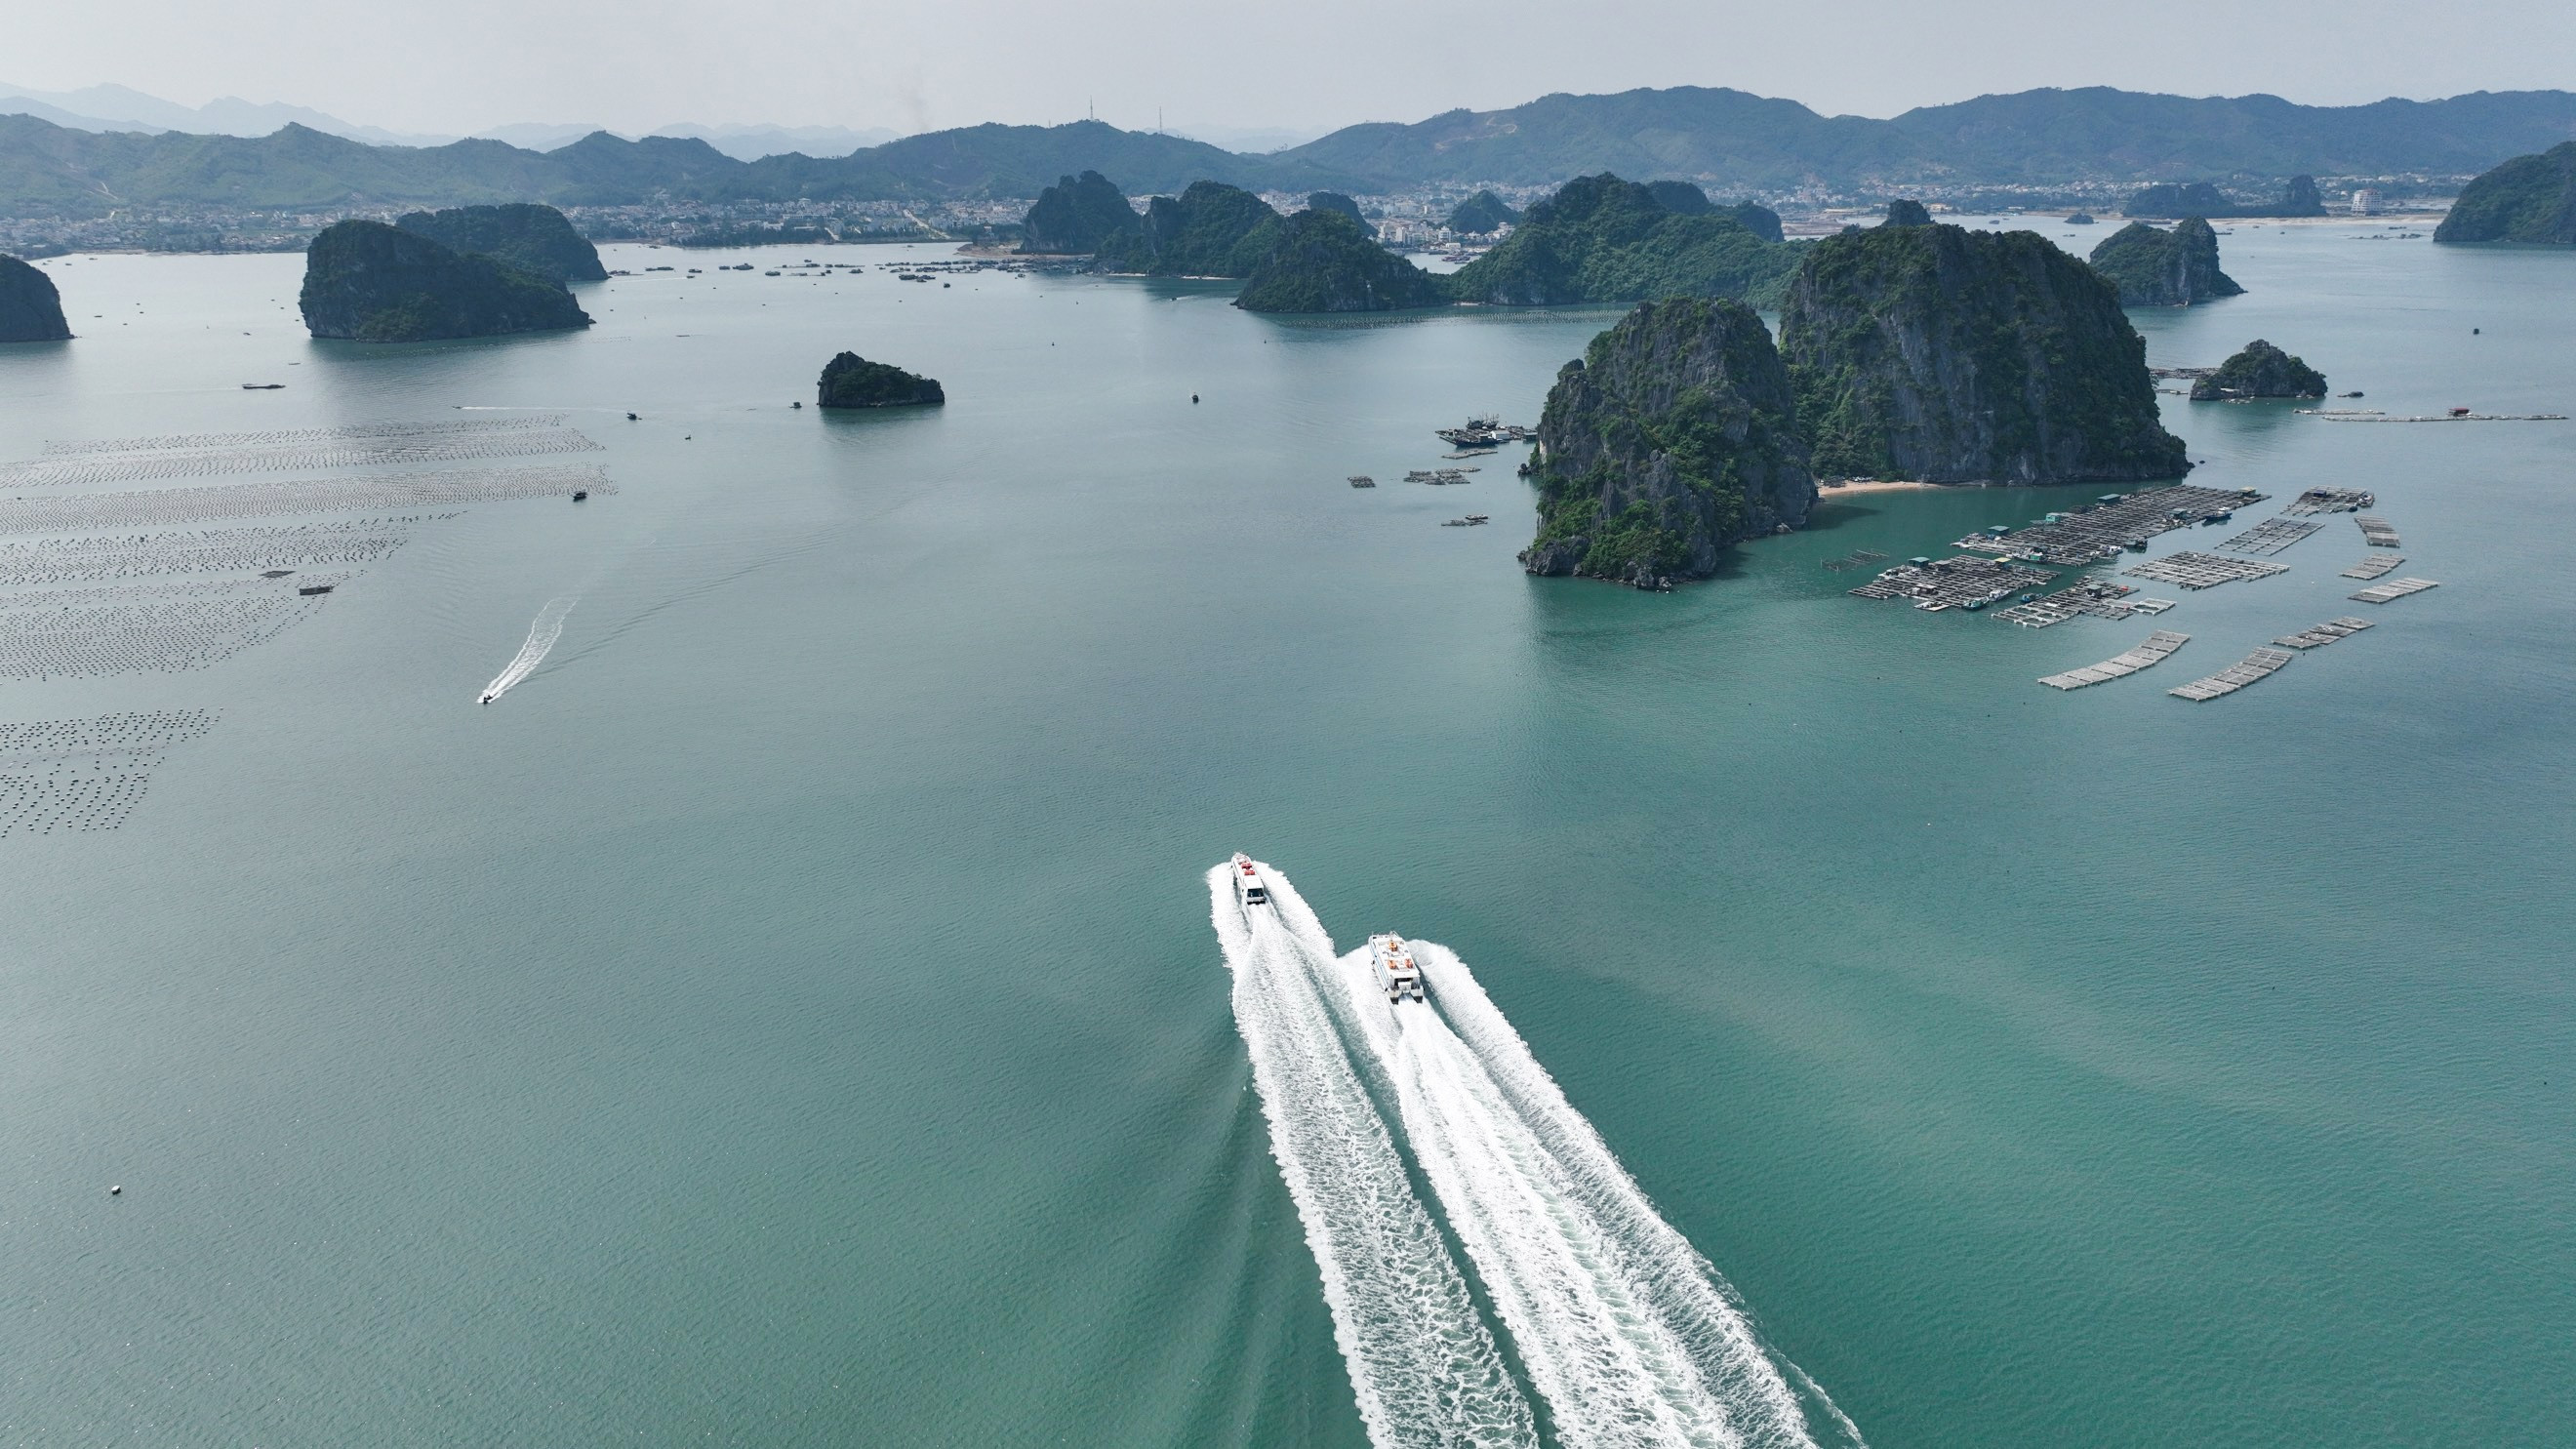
2098	596
2260	664
1966	582
2120	521
2376	532
2159	644
2202	570
2323	634
2271	536
2371	568
2330	500
2394	589
2334	415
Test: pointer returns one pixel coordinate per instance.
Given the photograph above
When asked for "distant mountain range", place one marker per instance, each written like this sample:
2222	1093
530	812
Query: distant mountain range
117	108
1728	141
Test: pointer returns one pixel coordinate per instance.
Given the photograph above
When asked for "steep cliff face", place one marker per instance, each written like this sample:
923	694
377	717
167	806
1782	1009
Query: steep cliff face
1209	230
369	282
1954	356
1323	261
1906	212
851	381
2527	199
1602	239
2261	370
535	239
2155	268
1674	435
1336	201
30	309
1073	216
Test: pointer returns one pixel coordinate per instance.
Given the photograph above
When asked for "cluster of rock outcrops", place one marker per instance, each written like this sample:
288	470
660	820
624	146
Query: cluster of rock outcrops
1912	350
2157	268
368	282
30	309
1321	260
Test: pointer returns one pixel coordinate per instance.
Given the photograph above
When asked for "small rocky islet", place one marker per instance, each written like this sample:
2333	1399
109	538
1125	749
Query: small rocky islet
366	281
31	310
851	381
2154	267
2260	370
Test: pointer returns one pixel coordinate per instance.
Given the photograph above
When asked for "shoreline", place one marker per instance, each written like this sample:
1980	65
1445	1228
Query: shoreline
1870	485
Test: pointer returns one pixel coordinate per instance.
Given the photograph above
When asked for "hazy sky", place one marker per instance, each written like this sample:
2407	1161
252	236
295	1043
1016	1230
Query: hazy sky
461	65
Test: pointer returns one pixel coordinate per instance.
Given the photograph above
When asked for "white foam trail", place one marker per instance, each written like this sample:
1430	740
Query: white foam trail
541	637
1629	1334
1422	1364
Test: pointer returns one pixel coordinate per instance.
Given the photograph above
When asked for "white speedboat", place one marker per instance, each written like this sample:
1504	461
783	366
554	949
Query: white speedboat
1396	973
1248	889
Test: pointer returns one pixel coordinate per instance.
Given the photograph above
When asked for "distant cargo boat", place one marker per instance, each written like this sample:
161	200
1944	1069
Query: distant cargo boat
1392	960
1248	889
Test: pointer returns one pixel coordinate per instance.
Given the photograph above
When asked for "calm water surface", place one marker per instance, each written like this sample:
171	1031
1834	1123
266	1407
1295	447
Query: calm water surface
791	1016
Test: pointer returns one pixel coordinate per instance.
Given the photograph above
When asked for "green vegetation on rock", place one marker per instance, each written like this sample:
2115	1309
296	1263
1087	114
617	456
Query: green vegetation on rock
1482	214
2527	199
1954	356
1209	230
533	238
369	282
851	381
30	309
1323	261
1906	212
1073	216
2261	370
1602	239
1335	201
1674	435
2157	268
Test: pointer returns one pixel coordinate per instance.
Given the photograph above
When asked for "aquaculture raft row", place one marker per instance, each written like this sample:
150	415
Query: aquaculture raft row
2258	665
2158	645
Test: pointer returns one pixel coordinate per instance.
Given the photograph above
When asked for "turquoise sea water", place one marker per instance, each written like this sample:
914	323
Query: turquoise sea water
791	1016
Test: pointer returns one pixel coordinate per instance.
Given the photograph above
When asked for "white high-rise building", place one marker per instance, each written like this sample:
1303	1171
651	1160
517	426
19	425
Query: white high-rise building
2365	202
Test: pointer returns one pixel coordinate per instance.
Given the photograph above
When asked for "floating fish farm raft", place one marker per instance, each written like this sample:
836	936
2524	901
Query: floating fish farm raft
2394	589
2376	532
1857	558
2330	500
1966	582
2154	651
2371	568
2119	521
2202	570
2271	536
2260	664
2323	634
2097	595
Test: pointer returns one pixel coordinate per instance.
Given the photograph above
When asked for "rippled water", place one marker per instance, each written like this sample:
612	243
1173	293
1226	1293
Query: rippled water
789	1015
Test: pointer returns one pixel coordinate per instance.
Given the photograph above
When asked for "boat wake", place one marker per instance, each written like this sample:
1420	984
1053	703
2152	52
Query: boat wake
1623	1328
1422	1363
541	638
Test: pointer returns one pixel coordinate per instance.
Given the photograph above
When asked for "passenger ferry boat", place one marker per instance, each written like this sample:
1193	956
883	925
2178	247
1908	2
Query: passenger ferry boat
1396	973
1248	889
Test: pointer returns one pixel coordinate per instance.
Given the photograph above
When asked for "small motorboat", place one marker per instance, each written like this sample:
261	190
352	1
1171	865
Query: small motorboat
1248	888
